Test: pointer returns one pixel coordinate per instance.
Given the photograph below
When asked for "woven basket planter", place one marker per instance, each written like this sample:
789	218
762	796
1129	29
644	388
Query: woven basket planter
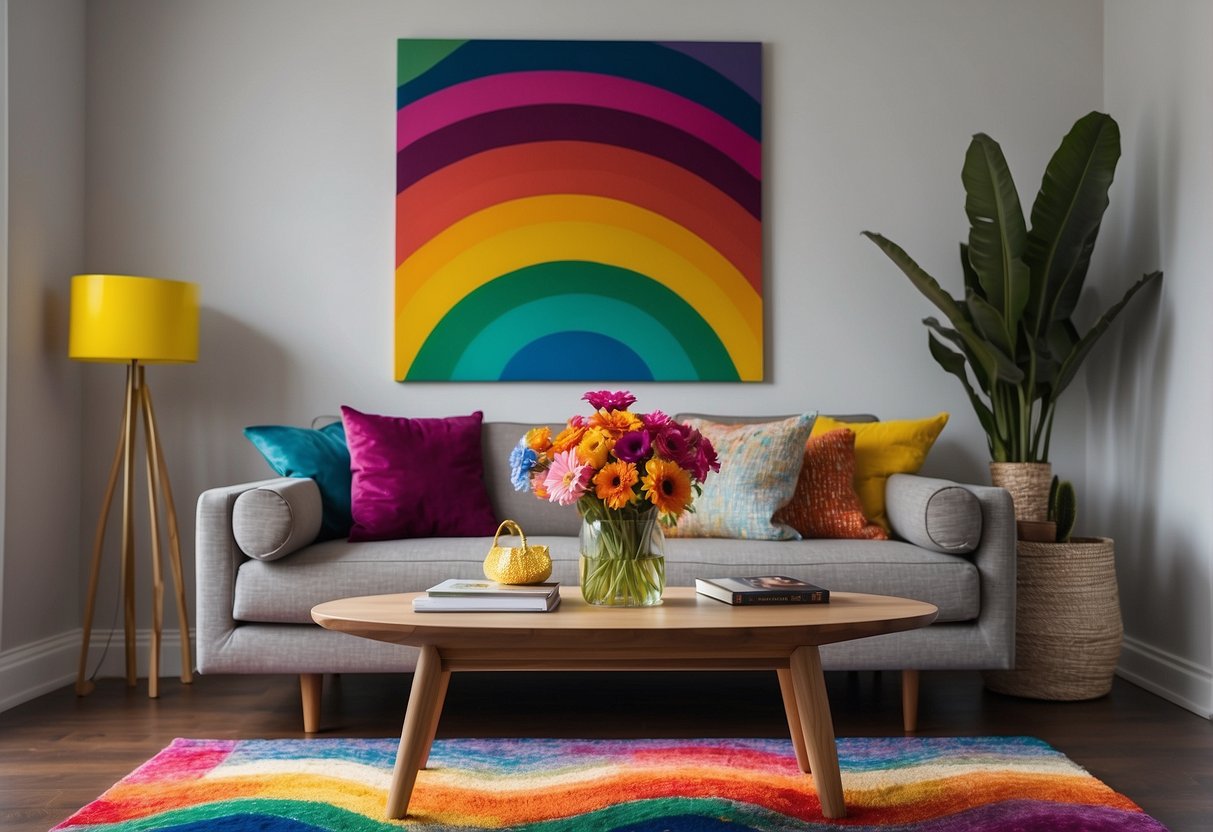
1067	622
1028	483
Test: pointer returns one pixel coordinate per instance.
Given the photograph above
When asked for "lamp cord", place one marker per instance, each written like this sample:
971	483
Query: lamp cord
108	636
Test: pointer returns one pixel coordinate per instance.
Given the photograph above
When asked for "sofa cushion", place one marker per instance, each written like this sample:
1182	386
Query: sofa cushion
274	520
285	591
417	477
321	455
759	465
935	514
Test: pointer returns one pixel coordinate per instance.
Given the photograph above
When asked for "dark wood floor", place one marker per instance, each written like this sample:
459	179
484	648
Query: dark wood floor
59	752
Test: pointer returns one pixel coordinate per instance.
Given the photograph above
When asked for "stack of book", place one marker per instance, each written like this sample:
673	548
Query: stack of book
762	589
456	595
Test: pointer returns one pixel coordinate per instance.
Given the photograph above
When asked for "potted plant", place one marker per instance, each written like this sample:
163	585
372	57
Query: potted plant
1068	627
1011	339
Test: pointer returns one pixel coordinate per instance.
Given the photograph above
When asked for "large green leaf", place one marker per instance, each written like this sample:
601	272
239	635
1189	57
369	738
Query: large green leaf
985	381
955	363
970	276
997	234
926	284
984	356
1066	216
1069	367
989	322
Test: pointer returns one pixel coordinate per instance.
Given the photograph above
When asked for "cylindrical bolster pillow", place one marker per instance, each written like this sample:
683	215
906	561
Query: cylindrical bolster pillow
934	514
272	521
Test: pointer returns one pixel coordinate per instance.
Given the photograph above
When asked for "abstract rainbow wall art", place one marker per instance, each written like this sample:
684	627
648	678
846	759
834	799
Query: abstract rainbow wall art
578	210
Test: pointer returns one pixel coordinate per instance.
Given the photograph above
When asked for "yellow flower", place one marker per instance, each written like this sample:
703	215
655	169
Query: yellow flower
594	447
667	486
613	484
615	422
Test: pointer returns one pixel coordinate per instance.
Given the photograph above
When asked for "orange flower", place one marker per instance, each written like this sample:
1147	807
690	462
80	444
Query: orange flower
615	422
594	447
567	439
539	439
667	486
613	484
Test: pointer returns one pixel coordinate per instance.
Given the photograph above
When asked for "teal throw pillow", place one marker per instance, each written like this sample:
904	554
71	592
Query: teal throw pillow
321	455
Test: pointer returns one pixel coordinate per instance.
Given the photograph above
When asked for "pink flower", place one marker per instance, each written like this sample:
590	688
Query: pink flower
607	400
567	478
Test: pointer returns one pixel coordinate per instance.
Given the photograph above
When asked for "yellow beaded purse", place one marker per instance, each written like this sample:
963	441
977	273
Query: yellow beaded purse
523	564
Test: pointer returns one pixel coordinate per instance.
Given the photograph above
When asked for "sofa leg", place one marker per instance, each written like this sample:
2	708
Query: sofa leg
909	700
310	685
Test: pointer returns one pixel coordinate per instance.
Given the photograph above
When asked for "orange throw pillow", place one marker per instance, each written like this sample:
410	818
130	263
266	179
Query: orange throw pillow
825	503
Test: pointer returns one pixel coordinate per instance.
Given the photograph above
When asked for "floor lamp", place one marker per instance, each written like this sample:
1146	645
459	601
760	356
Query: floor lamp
136	321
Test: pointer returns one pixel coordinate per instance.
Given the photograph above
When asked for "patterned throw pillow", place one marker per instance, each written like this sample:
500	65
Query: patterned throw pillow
825	503
759	465
883	449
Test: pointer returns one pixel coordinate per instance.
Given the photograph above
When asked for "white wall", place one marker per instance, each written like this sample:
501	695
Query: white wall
45	227
1150	398
248	145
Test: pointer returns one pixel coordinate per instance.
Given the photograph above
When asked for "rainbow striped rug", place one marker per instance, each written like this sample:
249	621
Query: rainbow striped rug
997	784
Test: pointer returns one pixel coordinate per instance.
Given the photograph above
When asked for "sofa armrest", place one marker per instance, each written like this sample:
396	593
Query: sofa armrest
994	557
216	559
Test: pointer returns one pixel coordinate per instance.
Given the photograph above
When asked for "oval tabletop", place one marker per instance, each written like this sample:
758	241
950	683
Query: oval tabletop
683	618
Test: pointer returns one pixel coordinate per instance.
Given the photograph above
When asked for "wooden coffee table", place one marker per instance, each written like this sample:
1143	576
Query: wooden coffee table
686	632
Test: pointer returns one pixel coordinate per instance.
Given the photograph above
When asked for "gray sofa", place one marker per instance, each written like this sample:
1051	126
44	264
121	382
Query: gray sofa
953	546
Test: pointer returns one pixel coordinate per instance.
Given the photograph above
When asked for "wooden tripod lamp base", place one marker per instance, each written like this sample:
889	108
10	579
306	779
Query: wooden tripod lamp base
136	320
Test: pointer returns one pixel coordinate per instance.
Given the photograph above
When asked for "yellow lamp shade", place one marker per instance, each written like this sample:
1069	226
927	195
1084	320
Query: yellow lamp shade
121	318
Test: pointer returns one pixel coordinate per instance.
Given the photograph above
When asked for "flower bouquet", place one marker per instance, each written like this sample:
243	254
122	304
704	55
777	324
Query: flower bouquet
627	473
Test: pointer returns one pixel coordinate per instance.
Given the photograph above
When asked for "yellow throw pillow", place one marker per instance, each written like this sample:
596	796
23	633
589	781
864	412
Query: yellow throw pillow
882	449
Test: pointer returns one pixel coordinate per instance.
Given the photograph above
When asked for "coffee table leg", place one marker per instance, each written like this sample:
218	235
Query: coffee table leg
793	713
421	714
443	683
818	727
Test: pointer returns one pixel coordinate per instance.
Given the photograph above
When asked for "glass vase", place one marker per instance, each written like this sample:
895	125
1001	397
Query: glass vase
622	558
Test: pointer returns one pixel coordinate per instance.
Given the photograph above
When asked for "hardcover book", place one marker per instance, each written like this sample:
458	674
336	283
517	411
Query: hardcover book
762	589
458	595
460	586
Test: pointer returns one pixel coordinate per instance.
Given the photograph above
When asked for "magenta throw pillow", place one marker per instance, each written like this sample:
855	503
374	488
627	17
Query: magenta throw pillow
417	477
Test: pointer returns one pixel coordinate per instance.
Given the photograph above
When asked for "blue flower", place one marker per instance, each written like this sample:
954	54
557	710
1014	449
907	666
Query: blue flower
522	460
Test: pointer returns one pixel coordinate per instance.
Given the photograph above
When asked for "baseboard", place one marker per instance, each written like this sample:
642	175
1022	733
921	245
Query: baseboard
31	670
1172	677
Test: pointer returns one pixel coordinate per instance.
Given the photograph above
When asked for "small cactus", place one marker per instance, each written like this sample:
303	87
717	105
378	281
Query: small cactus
1063	508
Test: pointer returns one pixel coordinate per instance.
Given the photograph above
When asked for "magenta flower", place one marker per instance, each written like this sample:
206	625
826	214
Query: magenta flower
706	459
633	446
655	420
607	400
671	443
567	478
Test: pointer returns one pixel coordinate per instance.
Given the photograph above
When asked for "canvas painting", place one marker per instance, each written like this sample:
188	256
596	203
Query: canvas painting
578	210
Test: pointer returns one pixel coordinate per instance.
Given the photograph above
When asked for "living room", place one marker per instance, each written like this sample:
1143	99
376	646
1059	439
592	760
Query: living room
247	147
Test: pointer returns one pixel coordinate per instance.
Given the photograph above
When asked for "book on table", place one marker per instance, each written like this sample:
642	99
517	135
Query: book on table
762	589
461	595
